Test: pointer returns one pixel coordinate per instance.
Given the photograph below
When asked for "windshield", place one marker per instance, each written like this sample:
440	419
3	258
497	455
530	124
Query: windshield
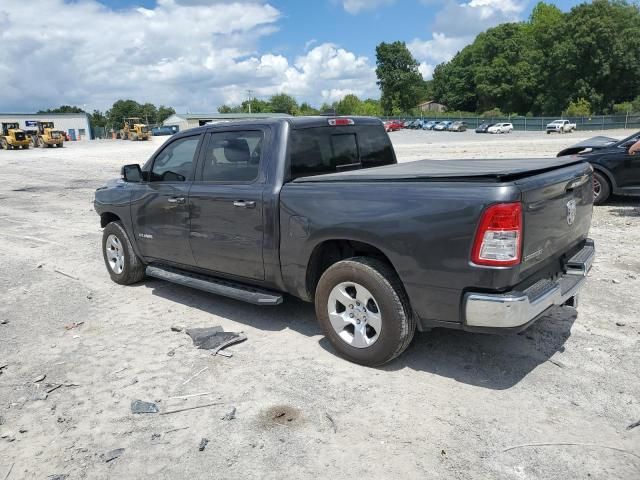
635	136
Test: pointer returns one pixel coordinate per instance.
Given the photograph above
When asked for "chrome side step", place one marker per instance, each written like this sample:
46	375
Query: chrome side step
225	288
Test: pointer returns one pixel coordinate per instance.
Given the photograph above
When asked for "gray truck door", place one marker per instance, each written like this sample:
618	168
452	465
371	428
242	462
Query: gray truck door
160	209
226	204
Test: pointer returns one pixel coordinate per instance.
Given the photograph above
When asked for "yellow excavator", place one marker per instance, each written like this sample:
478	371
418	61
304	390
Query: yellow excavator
11	136
134	130
47	136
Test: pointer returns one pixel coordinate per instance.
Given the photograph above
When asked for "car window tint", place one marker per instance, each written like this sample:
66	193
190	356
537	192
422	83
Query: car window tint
233	156
175	162
321	150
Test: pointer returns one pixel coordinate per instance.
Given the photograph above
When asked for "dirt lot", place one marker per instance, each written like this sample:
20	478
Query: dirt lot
453	406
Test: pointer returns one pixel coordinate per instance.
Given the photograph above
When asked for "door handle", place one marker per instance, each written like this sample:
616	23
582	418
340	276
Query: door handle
175	199
244	204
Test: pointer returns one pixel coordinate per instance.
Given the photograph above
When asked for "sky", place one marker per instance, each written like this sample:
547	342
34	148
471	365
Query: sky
195	55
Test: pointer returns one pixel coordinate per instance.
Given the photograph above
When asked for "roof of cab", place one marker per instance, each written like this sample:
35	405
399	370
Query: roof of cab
295	122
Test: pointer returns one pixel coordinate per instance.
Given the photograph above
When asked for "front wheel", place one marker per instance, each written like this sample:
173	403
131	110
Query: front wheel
122	263
601	188
364	311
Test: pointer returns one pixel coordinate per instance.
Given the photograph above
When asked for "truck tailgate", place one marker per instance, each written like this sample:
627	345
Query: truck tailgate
557	208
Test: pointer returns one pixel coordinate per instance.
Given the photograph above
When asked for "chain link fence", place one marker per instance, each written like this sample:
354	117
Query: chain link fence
599	122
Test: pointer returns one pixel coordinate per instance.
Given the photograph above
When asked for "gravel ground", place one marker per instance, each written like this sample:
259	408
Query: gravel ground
553	402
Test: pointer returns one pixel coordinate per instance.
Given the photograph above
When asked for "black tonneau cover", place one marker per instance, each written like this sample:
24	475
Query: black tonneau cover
456	170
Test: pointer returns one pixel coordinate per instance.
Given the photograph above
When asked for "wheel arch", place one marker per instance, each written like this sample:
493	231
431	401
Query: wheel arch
107	217
608	175
331	251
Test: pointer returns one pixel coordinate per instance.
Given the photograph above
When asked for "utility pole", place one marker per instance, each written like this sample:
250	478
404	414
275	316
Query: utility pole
250	95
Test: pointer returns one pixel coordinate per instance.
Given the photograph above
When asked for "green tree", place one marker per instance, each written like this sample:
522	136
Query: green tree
98	119
349	105
306	109
579	108
283	103
63	109
163	113
400	82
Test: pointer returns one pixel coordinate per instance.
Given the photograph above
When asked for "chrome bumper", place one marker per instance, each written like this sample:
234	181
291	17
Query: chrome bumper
517	308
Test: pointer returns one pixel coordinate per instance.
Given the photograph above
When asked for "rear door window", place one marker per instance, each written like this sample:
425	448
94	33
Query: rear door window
322	150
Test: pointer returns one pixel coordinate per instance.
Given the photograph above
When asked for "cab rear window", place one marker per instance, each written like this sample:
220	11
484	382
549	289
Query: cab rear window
322	150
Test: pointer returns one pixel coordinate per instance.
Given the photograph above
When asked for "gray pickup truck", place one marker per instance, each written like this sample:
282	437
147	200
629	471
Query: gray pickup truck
318	208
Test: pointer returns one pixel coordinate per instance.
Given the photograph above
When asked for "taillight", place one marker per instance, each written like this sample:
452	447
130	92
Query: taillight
336	122
499	236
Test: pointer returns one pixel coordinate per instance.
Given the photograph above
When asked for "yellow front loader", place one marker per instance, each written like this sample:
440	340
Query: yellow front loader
134	129
47	136
12	137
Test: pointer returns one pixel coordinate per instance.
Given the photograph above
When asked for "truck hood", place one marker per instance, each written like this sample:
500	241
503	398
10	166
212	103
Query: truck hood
453	170
594	143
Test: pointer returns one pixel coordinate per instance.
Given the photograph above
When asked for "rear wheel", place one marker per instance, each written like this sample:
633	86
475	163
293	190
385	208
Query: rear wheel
364	311
601	188
122	263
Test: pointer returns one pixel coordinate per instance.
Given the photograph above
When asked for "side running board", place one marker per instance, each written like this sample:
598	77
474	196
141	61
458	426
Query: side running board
225	288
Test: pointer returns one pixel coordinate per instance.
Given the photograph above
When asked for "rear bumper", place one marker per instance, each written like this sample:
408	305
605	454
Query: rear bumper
517	309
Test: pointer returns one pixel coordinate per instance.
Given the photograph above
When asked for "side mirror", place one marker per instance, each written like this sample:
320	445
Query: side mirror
131	173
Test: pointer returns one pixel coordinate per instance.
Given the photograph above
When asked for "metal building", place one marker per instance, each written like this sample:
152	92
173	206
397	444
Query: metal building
76	125
191	120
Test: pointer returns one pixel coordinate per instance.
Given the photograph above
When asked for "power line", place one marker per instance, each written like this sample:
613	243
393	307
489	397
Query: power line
250	95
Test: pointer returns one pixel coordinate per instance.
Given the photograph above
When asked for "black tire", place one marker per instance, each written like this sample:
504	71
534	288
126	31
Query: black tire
398	321
605	188
134	269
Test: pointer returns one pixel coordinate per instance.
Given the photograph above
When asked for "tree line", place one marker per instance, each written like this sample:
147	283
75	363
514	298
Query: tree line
121	109
284	103
584	61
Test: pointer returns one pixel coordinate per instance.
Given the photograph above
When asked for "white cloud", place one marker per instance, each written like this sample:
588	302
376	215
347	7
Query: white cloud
193	54
456	25
356	6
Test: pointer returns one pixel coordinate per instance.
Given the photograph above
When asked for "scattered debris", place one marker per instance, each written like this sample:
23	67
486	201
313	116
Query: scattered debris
191	408
182	397
22	430
616	281
1	420
571	445
172	352
214	338
557	363
39	396
176	430
113	454
39	378
9	471
58	476
230	415
118	371
73	325
65	274
332	422
620	324
224	353
2	367
633	425
177	328
90	296
55	387
203	444
138	406
199	372
282	415
4	322
155	436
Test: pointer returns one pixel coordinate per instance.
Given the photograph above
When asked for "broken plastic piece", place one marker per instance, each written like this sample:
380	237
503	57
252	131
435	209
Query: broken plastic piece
214	338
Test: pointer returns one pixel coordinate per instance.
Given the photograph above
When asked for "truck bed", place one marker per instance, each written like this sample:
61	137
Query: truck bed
499	170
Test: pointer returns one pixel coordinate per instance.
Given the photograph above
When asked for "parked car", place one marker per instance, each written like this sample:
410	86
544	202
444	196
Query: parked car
442	126
561	126
429	125
255	210
615	170
407	123
392	125
458	127
484	127
501	128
